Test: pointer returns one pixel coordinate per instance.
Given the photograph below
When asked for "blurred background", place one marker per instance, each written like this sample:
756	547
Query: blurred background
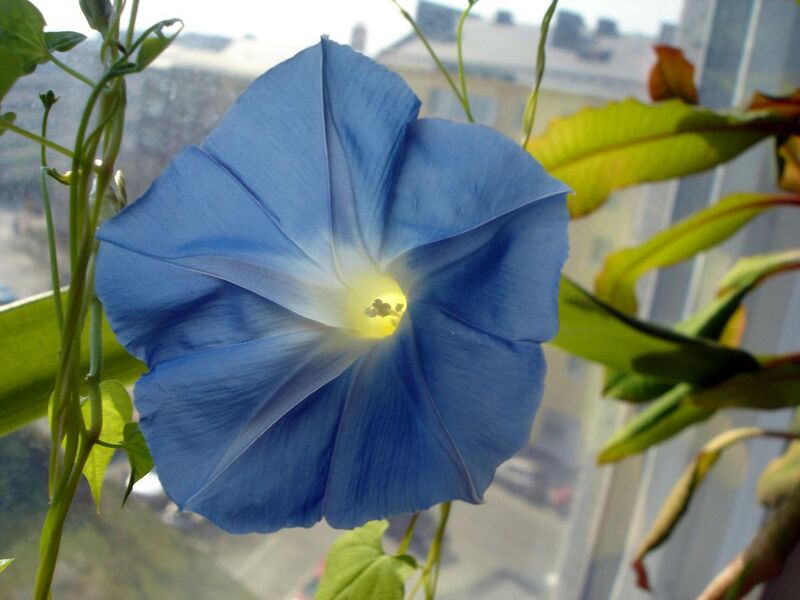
554	525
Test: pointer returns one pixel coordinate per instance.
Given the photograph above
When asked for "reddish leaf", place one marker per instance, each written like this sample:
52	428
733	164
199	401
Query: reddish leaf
672	76
788	106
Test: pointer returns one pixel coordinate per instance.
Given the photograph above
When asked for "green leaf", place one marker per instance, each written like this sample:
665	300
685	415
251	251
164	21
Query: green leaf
632	387
752	270
599	150
616	283
152	47
97	13
117	411
122	68
4	563
62	41
357	567
632	345
10	71
781	477
22	33
149	51
29	360
709	322
659	421
680	497
139	457
768	389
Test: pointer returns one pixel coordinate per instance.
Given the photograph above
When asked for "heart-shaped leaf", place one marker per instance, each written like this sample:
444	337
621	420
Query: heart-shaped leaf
97	13
10	71
357	567
22	33
62	41
139	457
117	411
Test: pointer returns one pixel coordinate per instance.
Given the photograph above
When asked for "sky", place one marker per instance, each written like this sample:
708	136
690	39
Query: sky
294	24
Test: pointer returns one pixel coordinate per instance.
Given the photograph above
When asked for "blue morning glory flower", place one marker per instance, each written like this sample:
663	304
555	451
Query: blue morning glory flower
341	305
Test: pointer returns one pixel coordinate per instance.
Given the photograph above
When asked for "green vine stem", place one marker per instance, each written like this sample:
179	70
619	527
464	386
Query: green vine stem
89	182
48	215
530	108
53	527
409	533
8	125
462	80
131	23
430	571
432	53
67	69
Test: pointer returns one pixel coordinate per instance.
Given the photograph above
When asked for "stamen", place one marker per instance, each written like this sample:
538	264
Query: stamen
375	306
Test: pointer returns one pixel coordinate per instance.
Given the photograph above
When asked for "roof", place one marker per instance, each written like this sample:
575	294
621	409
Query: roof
605	66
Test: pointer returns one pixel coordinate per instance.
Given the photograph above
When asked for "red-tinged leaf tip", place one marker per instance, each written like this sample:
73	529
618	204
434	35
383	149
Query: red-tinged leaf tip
642	581
787	106
672	76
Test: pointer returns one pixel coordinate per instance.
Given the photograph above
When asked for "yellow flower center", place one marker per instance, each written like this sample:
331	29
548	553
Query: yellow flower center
375	306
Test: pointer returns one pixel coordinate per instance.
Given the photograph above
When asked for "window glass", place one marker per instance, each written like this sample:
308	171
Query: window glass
546	529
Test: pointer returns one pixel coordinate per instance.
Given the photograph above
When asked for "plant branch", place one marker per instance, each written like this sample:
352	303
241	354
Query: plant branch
431	51
409	533
461	76
67	69
51	233
530	108
5	124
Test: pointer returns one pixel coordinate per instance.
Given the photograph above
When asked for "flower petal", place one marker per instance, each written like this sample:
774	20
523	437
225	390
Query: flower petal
315	140
501	277
279	480
203	413
197	216
430	415
456	177
161	311
367	111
